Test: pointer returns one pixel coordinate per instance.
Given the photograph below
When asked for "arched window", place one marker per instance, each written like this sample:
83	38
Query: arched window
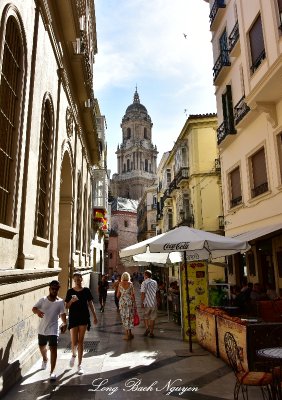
78	212
11	89
145	133
128	133
146	165
84	243
128	164
44	178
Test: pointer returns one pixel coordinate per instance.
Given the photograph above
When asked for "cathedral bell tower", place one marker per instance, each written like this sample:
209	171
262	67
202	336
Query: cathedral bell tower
136	156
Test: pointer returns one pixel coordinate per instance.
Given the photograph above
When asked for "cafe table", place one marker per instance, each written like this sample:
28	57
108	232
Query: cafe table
273	357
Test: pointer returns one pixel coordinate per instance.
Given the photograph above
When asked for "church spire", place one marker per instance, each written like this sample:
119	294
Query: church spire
136	96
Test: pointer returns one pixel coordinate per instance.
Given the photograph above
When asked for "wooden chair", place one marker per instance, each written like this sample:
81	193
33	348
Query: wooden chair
244	378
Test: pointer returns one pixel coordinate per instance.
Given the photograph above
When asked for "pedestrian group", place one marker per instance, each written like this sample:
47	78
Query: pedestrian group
79	303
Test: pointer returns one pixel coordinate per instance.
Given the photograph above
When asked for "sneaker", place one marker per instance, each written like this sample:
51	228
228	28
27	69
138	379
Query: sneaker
44	364
72	361
146	333
80	370
53	376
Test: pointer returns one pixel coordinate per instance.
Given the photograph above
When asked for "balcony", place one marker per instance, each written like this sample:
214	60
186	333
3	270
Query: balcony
260	189
166	195
182	175
186	218
220	67
258	61
224	130
100	188
233	41
216	13
240	110
172	186
236	201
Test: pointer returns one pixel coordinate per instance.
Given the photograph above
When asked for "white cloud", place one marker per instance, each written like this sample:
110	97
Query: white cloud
141	42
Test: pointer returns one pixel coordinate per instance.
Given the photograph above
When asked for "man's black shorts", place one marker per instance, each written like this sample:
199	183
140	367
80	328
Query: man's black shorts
51	339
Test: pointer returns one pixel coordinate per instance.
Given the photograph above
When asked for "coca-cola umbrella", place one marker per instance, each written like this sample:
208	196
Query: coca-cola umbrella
195	245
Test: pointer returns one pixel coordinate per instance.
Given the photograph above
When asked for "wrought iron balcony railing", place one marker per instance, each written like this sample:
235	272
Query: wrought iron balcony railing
260	189
226	128
222	61
166	195
182	174
258	61
172	186
216	5
233	37
236	201
240	110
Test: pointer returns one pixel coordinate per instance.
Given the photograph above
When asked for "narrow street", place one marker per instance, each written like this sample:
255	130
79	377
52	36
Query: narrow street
143	368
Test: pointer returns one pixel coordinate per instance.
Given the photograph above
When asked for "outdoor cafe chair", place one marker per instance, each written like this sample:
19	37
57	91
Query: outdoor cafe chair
244	378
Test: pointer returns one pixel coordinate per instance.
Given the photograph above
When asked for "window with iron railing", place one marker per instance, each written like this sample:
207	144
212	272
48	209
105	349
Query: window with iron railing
235	187
43	192
257	47
258	173
216	5
84	241
234	36
11	83
78	212
240	110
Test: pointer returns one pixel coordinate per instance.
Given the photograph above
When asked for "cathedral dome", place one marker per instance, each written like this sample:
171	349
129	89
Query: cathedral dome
136	109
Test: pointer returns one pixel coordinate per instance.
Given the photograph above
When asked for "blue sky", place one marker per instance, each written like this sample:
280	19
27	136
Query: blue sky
141	42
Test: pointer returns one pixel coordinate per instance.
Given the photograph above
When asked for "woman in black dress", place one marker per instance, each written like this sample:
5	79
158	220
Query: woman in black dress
78	300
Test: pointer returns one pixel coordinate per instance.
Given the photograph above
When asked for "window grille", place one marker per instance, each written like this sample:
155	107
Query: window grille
78	213
44	173
9	103
235	187
259	174
84	220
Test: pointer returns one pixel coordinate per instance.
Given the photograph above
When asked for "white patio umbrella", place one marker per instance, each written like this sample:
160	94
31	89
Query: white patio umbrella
195	245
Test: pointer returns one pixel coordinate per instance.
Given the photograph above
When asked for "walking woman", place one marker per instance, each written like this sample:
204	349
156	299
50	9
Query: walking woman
127	304
79	300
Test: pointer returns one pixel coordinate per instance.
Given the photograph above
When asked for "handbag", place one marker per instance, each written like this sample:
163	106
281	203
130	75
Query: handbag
136	319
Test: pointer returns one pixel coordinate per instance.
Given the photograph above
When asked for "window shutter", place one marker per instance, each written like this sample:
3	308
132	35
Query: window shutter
256	40
259	168
227	107
235	183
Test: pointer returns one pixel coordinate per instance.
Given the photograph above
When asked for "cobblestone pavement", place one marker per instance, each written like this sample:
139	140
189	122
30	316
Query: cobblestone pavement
143	368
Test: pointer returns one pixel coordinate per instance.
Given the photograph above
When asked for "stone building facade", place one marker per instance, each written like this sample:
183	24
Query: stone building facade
123	231
48	148
247	49
136	156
